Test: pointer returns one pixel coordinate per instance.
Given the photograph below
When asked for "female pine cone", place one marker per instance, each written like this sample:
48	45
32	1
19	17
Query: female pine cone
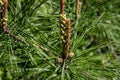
71	55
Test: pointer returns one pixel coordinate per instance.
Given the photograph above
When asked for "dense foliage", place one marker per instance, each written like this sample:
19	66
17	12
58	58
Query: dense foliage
32	52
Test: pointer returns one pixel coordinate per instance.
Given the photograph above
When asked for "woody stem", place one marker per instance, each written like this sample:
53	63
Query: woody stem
62	7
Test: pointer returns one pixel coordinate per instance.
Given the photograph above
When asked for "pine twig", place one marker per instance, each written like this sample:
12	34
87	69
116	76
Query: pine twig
78	8
65	34
62	6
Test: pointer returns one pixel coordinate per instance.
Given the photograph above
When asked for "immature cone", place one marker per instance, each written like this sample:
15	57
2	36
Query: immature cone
71	54
60	60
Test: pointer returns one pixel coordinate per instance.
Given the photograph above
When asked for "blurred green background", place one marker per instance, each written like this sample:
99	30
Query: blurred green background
95	41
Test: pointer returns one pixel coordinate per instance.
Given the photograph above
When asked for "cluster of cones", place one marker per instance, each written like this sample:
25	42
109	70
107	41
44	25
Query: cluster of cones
65	29
3	14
